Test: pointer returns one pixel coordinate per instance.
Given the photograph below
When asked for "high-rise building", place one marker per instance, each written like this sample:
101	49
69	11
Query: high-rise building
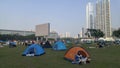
84	30
90	16
67	34
103	18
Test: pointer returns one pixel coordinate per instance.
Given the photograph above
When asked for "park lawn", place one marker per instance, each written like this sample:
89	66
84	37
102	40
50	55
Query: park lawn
108	57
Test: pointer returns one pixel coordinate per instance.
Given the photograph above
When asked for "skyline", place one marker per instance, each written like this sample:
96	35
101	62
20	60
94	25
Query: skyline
63	15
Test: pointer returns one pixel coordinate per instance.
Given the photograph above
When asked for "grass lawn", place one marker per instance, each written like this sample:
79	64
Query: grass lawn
108	57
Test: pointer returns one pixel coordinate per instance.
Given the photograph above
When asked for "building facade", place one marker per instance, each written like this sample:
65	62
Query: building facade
18	32
90	16
103	18
67	34
53	35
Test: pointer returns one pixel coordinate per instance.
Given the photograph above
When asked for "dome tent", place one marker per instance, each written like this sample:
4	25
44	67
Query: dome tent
47	45
59	45
70	54
35	49
12	44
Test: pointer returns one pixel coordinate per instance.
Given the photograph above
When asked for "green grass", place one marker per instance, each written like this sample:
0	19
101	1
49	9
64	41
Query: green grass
108	57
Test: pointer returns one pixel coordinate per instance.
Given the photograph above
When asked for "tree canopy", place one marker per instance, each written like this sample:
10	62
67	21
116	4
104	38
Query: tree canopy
116	33
16	37
96	33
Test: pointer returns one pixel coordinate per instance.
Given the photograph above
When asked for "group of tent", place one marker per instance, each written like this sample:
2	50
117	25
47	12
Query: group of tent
38	50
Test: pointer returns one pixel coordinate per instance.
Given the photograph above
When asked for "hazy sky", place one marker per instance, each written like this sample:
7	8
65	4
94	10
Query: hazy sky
63	15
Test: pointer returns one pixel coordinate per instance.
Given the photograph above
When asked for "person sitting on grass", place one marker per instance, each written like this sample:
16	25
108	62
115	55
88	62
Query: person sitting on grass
79	58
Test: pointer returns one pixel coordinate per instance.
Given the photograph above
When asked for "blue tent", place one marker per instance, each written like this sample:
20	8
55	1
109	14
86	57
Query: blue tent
59	46
12	44
35	49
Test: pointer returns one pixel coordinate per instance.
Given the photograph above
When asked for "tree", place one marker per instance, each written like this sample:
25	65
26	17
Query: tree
97	33
6	37
116	33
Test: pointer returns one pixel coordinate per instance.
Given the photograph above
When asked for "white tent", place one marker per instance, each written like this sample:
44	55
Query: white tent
101	39
109	39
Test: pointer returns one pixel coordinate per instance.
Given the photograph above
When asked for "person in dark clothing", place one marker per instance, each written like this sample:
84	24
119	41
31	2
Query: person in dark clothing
79	58
47	45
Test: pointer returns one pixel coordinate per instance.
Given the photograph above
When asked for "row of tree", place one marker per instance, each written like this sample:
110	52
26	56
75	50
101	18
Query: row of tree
97	33
6	37
116	33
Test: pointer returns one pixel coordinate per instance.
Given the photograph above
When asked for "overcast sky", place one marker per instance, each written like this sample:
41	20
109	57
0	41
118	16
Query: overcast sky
63	15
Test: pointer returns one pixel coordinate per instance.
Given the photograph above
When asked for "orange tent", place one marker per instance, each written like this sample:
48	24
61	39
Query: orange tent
70	54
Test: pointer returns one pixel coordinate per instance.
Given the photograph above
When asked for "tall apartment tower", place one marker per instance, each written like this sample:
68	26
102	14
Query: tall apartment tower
103	18
90	16
67	34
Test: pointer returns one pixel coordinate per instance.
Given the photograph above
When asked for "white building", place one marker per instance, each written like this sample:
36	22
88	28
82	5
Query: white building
62	35
18	32
54	35
67	34
83	31
103	18
90	16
